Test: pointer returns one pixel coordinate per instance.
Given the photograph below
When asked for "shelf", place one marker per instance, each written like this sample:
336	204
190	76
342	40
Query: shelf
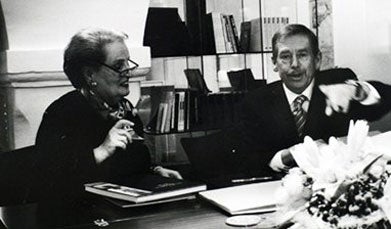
238	53
185	131
216	60
216	54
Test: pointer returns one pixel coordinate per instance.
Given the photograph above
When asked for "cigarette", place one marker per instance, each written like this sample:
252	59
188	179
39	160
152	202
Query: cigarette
134	136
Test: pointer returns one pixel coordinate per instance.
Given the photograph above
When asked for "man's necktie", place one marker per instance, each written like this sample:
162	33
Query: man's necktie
299	113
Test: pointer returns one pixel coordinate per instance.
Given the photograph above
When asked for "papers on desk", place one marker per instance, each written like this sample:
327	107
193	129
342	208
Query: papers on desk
140	189
245	199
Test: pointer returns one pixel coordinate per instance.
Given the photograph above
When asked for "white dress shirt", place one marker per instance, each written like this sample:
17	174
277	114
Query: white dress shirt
291	96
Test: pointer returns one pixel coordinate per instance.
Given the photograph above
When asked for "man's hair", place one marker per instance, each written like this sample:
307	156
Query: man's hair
86	50
294	29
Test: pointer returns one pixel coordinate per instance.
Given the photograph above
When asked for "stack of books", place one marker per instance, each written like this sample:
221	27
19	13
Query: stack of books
146	190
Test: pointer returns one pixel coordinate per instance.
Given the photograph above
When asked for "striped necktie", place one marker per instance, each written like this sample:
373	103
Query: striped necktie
299	113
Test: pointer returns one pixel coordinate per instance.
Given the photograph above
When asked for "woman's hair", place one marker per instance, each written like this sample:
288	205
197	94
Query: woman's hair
294	29
86	50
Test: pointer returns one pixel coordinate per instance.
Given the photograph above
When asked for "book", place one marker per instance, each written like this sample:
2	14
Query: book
227	42
140	189
171	104
255	44
187	110
235	32
218	32
159	117
176	112
245	199
127	204
181	111
230	35
164	117
245	35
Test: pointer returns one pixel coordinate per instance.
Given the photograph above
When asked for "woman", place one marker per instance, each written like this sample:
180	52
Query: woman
87	134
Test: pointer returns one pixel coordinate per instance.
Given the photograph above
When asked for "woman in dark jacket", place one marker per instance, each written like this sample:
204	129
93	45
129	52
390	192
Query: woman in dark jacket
88	134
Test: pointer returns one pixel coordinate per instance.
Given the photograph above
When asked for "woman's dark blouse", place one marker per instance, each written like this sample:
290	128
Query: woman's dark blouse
69	131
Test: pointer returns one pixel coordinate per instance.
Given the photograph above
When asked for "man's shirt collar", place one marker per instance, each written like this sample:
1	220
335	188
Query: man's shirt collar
292	96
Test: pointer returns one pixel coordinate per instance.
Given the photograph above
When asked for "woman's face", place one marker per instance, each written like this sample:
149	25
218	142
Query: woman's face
111	86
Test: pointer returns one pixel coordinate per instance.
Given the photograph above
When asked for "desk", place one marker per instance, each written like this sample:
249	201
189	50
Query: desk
194	214
191	214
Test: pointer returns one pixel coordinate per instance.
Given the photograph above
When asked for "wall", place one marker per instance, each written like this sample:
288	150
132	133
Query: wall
362	39
42	20
362	30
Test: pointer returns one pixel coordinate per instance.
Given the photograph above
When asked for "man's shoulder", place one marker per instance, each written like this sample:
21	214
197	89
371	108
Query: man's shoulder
264	94
335	75
267	90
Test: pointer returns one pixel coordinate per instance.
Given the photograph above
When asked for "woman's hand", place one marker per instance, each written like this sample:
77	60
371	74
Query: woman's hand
167	172
119	136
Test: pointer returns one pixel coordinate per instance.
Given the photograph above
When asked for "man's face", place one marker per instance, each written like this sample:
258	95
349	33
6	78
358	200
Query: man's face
296	63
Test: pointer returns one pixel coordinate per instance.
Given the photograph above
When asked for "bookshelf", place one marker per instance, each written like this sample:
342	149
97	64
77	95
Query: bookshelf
223	36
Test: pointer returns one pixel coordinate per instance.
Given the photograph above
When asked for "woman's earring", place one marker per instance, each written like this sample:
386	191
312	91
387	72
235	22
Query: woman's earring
94	84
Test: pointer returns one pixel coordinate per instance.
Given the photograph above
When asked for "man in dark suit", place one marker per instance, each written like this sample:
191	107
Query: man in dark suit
304	102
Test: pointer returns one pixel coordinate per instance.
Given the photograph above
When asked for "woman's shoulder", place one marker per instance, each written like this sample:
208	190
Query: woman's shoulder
70	103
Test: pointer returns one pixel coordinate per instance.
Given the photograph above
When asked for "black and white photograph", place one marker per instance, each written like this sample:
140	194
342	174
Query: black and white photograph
182	114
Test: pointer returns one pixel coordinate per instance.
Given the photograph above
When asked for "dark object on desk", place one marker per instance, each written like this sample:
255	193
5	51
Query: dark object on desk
144	188
196	81
243	80
166	33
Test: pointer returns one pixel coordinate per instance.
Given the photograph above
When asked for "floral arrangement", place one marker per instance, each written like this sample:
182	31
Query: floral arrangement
342	184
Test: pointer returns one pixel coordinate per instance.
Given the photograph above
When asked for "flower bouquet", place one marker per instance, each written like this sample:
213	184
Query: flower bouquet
342	184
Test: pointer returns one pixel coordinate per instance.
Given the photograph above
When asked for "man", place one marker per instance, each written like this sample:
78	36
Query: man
305	101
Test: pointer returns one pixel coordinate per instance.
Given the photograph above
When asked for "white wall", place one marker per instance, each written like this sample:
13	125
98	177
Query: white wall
362	37
42	29
48	24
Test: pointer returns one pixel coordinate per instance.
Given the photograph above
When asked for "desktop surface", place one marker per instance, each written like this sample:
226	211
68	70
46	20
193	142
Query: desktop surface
195	213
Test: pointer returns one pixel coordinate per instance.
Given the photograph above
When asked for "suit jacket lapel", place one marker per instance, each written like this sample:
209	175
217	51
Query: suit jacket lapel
282	112
316	112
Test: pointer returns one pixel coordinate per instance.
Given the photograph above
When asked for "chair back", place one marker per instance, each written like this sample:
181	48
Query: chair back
243	80
17	176
212	159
